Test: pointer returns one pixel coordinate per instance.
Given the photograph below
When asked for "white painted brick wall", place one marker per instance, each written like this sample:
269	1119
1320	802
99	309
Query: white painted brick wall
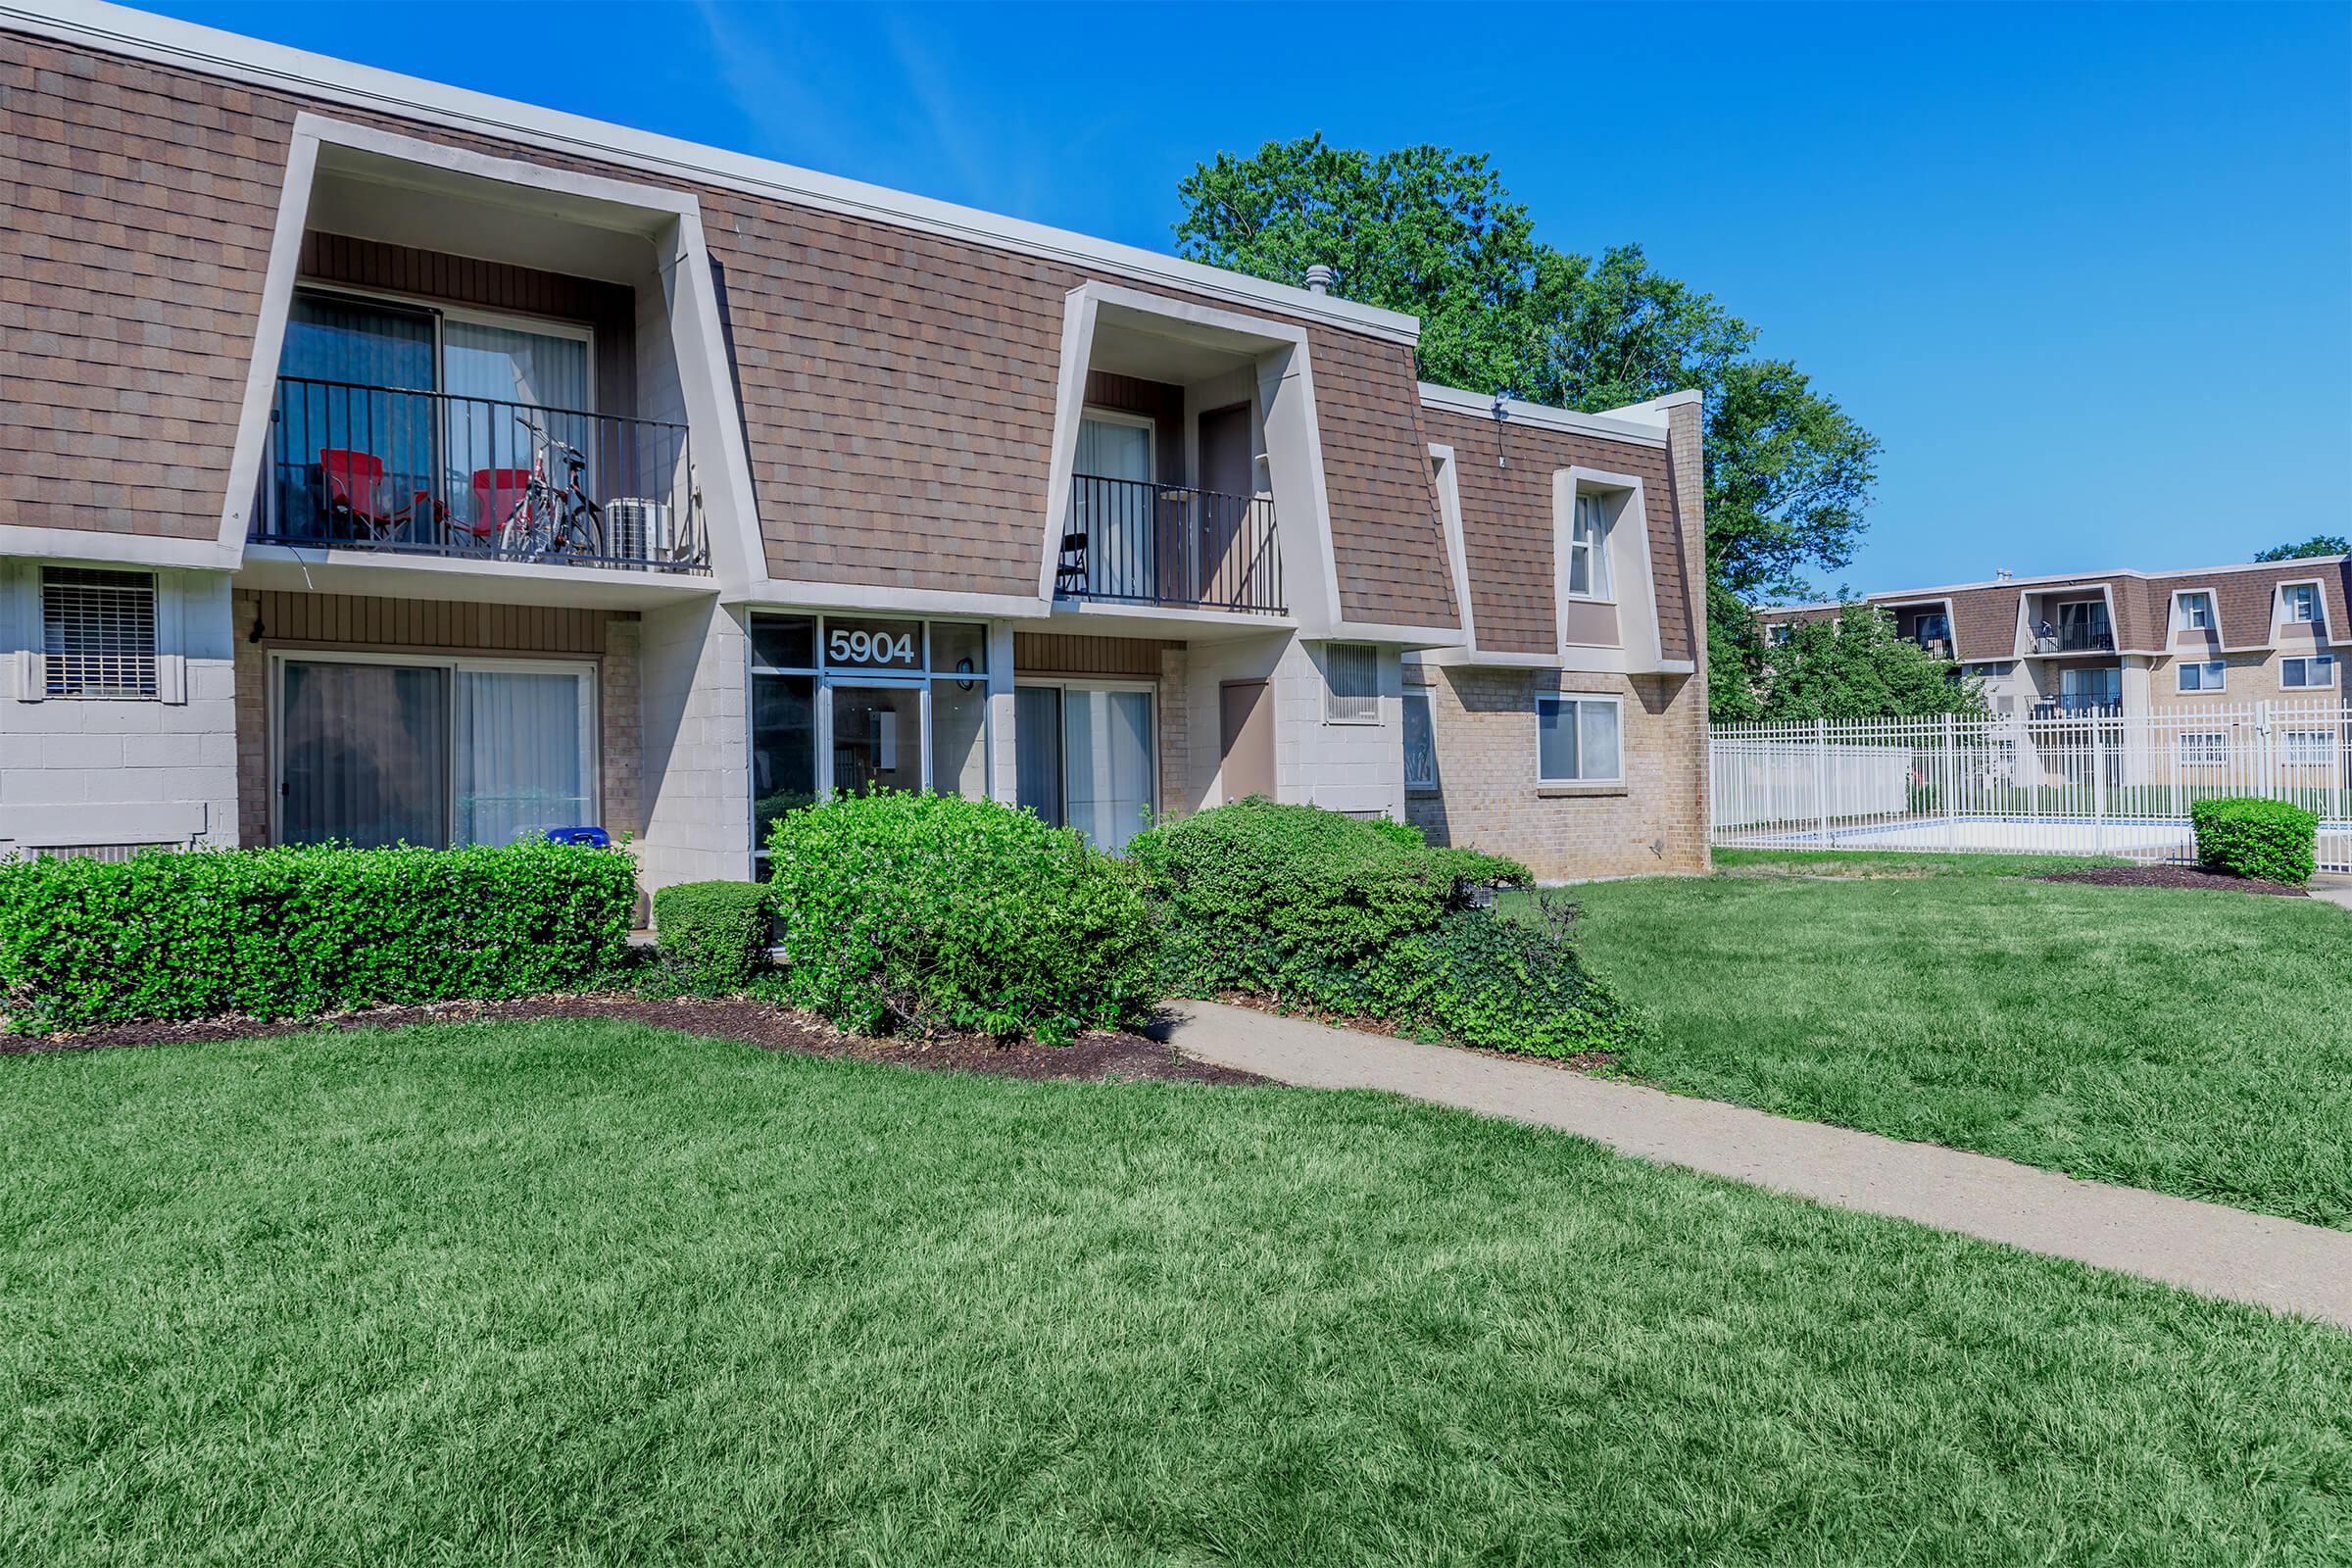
694	735
75	772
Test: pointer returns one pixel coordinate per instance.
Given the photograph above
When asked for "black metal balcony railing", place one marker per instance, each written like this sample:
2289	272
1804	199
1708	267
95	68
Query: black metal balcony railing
2074	637
388	468
1129	541
1935	646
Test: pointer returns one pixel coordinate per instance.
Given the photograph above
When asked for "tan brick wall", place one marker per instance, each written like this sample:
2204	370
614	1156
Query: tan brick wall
290	621
1175	729
2252	678
1485	725
897	387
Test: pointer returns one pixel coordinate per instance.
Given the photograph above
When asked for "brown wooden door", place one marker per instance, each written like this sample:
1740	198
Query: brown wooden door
1230	476
1245	738
1225	465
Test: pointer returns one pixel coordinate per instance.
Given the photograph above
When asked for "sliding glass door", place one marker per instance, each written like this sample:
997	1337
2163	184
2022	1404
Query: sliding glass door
364	755
432	752
1084	759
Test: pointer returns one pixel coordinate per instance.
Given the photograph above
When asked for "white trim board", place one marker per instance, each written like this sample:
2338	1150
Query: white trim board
1612	427
186	46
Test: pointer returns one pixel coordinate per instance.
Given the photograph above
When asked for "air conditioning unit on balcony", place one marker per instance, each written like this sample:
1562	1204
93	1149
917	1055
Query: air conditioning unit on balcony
637	529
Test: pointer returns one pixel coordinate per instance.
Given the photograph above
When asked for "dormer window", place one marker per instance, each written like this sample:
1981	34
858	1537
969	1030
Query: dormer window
1588	549
2196	611
2301	602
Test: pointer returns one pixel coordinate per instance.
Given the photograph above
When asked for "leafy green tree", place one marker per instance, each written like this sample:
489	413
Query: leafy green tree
1433	232
1855	666
2319	544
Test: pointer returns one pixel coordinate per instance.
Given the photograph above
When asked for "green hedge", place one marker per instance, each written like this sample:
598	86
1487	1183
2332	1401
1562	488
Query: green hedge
713	935
2258	838
1267	882
1362	918
299	931
928	912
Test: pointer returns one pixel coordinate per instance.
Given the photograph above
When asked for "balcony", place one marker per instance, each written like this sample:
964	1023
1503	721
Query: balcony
353	467
2074	637
1134	542
1935	646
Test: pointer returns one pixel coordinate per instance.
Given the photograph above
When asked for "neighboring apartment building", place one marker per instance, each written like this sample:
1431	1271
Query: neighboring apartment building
2130	644
890	493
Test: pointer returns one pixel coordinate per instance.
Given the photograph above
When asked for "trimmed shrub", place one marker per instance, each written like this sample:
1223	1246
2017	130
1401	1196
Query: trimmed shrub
927	913
2258	838
713	935
1358	918
298	931
1268	883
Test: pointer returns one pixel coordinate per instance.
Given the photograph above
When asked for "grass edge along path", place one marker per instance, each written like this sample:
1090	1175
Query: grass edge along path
2190	1043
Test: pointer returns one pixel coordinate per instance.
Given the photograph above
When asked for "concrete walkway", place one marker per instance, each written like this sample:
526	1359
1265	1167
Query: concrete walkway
2334	887
2206	1248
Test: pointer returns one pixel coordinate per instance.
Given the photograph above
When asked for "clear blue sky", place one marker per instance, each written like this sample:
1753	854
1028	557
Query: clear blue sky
2086	273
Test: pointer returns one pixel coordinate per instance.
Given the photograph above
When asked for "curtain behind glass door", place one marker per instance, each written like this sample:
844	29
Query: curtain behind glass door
511	373
1107	739
381	349
1037	751
522	756
364	755
1120	520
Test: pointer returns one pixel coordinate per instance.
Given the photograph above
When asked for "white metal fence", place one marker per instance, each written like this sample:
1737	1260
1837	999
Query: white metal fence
2096	783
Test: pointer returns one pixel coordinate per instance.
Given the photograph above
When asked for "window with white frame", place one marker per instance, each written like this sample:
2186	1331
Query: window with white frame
1351	683
1589	547
1420	741
2308	748
2196	611
2307	672
98	633
2203	675
1780	631
1579	740
2204	747
2301	601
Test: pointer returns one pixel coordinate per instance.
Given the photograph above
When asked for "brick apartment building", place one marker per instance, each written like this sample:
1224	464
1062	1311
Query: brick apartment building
2129	644
383	460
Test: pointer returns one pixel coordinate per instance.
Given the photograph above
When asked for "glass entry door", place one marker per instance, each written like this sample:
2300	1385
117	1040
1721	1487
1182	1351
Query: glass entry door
877	738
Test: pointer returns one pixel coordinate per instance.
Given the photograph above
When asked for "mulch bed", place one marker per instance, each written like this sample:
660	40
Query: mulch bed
2173	876
1094	1057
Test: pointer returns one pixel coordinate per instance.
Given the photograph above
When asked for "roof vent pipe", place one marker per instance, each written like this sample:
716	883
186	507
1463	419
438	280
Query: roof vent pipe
1318	279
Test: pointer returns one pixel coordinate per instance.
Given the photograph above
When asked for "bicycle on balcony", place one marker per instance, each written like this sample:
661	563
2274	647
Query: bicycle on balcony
544	520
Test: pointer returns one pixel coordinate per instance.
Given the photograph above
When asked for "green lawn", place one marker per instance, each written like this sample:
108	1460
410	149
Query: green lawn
589	1292
2194	1043
1895	863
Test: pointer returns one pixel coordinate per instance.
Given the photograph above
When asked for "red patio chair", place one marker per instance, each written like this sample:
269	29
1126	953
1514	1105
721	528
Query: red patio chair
354	489
497	492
